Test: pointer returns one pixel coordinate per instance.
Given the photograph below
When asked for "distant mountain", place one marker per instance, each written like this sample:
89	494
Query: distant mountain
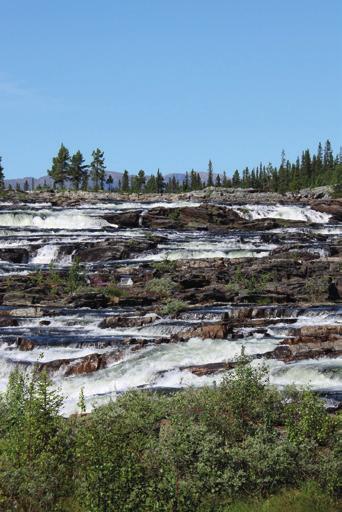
117	176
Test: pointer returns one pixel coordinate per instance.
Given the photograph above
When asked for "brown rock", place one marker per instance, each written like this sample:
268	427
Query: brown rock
25	344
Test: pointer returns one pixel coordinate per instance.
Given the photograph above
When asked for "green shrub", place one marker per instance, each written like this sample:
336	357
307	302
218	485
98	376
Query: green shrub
173	307
307	419
165	266
162	287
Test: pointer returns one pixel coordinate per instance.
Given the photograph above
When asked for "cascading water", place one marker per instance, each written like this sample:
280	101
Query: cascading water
149	355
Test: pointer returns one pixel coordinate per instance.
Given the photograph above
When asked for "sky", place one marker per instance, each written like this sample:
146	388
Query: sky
168	84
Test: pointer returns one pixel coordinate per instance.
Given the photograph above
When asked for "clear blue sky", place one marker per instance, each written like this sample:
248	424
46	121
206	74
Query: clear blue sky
169	84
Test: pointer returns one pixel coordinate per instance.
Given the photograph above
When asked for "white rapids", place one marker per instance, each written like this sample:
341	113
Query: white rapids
50	235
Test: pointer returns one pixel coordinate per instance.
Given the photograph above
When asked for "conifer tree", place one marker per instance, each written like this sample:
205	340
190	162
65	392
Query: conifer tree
77	170
59	171
125	182
110	182
160	185
218	181
98	169
186	182
236	179
2	176
210	182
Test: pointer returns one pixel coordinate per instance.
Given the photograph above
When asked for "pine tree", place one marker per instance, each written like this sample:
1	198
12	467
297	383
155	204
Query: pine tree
236	179
218	181
186	182
77	170
26	186
210	182
110	182
328	158
160	182
125	182
2	176
151	185
97	169
59	171
140	181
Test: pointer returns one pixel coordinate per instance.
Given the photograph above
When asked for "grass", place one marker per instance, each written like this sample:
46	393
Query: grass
310	498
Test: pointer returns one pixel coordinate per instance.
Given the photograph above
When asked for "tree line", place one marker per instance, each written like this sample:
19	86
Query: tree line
309	170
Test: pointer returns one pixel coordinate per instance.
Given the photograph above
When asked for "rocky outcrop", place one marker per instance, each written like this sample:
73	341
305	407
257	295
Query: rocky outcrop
333	207
25	344
8	321
212	330
14	254
113	322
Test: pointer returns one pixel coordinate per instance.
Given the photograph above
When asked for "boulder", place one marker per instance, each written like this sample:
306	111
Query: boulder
25	344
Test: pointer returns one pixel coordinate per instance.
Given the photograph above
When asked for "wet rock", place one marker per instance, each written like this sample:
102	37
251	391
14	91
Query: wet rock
127	321
333	207
83	365
7	321
91	300
25	344
210	368
14	255
213	330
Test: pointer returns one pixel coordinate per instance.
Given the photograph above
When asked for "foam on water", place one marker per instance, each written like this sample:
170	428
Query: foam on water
299	213
317	374
204	254
144	368
45	219
46	254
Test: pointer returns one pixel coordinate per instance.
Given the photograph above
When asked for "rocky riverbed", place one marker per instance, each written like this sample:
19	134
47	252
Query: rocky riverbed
110	292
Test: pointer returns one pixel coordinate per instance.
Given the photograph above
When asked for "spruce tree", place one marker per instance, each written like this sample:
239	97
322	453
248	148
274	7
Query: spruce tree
125	182
97	169
186	182
210	182
77	170
2	176
110	182
59	171
160	182
236	179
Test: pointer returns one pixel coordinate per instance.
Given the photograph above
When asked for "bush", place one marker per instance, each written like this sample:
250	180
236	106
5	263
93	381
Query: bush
165	266
197	450
162	287
173	307
306	419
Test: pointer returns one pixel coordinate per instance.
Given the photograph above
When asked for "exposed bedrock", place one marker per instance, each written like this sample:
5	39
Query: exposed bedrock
14	254
108	250
203	217
333	207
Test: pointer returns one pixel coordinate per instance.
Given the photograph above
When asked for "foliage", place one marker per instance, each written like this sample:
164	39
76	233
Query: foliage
162	287
36	455
306	419
197	450
309	498
255	283
2	176
165	266
173	307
